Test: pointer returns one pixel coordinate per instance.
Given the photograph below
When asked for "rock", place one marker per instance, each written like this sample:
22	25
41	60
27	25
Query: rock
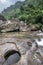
23	26
13	25
24	47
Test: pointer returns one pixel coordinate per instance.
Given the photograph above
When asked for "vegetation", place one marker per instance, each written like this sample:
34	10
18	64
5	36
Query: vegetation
30	11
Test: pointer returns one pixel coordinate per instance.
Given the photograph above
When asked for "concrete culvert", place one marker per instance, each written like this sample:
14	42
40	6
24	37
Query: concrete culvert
12	57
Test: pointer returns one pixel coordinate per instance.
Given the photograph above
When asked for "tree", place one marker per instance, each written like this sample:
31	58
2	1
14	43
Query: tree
39	19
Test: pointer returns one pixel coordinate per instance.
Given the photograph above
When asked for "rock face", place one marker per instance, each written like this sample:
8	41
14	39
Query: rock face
15	51
10	26
23	26
13	25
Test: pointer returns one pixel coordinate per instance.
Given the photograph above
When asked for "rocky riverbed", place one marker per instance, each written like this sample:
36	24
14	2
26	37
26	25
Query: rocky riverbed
21	48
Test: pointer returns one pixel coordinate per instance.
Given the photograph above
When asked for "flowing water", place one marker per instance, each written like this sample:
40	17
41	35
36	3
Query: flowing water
40	42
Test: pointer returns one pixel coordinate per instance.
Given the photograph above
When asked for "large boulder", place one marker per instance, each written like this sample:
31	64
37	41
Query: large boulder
10	26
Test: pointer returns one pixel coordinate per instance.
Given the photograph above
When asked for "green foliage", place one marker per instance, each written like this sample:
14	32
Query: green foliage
30	11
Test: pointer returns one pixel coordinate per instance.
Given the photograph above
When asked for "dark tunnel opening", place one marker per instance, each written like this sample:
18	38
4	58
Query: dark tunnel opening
12	56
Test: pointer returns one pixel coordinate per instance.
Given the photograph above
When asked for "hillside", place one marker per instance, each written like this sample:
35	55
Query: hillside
10	11
30	11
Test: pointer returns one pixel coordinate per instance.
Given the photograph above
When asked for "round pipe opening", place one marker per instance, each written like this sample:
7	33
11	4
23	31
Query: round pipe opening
12	57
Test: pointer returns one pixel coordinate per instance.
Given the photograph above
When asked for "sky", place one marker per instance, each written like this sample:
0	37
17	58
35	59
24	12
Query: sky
6	3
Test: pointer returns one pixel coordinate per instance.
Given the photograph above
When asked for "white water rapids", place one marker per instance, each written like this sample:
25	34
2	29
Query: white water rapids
40	42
